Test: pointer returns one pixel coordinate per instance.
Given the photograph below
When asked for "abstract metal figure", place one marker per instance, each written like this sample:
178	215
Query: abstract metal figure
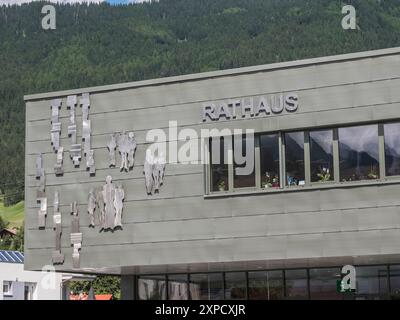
109	201
148	171
86	125
100	205
75	154
42	213
39	165
158	172
118	205
85	103
41	191
108	195
58	167
131	149
91	207
154	170
112	144
75	151
123	149
76	236
55	124
71	105
90	163
57	256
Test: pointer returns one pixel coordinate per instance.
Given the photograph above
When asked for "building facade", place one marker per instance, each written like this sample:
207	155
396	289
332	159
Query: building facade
18	284
105	195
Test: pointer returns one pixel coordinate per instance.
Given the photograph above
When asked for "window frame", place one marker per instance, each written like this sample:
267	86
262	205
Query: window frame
9	292
334	183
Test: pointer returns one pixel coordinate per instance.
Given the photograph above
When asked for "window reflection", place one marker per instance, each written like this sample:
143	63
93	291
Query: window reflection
265	285
294	150
245	180
321	155
269	153
323	284
152	288
206	286
235	285
359	153
372	282
178	287
392	149
395	282
219	165
296	284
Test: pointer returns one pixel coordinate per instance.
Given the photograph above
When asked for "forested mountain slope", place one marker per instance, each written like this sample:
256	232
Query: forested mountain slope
102	44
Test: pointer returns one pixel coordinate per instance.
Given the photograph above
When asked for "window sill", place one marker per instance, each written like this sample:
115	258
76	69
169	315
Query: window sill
319	186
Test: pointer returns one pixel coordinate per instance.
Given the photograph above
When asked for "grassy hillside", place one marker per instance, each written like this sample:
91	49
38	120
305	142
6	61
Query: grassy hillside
14	214
102	44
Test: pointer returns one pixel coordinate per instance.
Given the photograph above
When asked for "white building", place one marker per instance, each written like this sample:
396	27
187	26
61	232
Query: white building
18	284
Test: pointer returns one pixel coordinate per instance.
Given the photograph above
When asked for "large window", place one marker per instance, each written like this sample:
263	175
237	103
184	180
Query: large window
7	288
178	287
296	284
321	155
395	282
372	282
235	285
266	285
294	146
219	164
244	173
323	284
206	286
392	149
152	288
359	153
269	160
306	158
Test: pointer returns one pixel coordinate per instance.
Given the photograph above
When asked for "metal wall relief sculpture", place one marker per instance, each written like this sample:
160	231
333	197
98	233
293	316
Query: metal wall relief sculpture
58	167
41	191
154	170
86	134
126	147
55	124
76	236
108	203
92	207
75	150
112	145
57	256
126	143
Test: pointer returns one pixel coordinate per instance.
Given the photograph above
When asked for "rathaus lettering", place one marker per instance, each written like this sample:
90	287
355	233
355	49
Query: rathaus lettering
250	107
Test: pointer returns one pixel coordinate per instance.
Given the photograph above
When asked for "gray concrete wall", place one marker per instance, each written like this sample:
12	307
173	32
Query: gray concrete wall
181	226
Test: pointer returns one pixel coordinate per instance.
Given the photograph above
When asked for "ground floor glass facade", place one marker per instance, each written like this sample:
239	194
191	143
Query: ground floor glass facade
373	282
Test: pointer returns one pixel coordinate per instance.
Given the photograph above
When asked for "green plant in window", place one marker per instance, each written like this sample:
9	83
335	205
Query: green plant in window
221	185
270	181
324	175
372	174
267	181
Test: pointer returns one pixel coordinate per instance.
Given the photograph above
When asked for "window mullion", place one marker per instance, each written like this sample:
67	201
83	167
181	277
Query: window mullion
282	159
382	164
230	163
307	164
257	159
336	159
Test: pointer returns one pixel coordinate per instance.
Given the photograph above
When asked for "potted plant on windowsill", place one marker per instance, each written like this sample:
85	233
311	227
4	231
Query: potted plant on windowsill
372	175
221	185
324	175
266	183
